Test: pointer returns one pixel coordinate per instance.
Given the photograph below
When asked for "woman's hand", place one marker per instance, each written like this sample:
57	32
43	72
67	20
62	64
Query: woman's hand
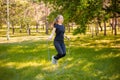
49	38
68	38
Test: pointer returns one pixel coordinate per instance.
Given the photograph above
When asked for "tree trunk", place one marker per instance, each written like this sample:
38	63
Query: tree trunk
118	25
37	27
28	30
46	23
68	28
13	28
72	25
96	29
114	3
43	27
100	27
8	21
20	28
8	28
104	28
111	23
115	23
99	23
92	30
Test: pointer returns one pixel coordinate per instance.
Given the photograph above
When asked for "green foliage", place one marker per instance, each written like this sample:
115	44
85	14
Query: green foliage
79	30
83	12
79	11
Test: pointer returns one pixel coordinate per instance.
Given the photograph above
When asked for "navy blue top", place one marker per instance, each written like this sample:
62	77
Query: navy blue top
60	30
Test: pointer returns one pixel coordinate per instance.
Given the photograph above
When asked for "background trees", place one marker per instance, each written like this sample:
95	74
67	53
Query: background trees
84	15
84	12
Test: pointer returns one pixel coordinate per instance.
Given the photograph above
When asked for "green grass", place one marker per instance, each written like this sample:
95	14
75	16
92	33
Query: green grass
89	59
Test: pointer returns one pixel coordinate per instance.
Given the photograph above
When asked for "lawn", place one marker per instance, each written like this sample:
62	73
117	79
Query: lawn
87	58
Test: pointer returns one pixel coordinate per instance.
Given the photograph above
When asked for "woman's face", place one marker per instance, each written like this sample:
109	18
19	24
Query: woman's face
60	19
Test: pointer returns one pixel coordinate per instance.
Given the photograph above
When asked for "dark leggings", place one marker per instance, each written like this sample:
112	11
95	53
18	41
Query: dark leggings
61	49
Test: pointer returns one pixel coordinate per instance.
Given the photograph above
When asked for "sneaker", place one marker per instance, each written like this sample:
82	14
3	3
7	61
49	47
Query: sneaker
54	61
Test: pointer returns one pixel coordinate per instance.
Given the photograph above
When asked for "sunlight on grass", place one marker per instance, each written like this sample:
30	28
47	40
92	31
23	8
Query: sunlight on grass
24	64
50	67
87	66
16	48
105	56
114	77
88	59
19	65
21	39
39	77
69	58
69	66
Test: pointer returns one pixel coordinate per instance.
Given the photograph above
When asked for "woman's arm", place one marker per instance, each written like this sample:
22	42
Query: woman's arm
52	34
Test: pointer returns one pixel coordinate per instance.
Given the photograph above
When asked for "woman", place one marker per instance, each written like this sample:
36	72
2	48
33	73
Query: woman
59	29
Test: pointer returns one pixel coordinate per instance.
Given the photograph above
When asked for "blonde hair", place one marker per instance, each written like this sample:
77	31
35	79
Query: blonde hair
56	19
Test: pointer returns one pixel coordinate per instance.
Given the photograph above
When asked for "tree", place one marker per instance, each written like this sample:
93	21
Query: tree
78	11
112	7
8	22
84	11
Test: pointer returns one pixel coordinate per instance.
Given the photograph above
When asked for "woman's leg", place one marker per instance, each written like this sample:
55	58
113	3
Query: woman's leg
63	49
59	49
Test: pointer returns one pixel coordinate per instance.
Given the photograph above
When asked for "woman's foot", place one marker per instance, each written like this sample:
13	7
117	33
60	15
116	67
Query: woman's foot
54	61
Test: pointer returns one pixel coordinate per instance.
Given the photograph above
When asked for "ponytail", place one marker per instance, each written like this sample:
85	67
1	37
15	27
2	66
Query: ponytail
56	20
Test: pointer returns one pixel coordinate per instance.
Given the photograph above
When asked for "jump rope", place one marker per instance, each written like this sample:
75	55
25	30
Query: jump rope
62	69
